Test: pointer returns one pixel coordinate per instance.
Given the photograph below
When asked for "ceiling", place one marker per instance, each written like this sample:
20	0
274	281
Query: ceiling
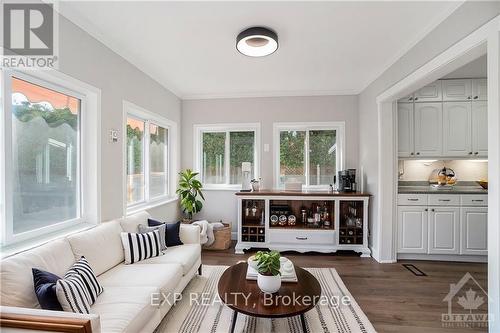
325	47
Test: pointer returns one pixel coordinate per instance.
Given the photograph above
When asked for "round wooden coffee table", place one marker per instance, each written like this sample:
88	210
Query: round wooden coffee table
244	296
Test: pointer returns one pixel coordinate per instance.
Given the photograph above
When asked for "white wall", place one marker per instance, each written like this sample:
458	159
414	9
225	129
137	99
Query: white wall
222	204
462	22
84	58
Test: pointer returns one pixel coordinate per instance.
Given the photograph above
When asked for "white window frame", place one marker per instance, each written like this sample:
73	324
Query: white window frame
88	166
338	126
199	129
137	112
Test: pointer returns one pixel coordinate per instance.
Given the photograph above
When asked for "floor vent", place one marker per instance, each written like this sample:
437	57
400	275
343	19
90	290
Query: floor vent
412	268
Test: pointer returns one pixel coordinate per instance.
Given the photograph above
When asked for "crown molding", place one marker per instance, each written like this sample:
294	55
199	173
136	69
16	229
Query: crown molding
263	94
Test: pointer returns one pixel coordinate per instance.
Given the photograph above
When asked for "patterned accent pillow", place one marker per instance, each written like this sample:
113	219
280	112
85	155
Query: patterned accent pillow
141	246
72	293
83	268
161	228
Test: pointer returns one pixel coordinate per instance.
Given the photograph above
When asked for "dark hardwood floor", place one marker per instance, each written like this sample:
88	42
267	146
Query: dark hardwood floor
393	298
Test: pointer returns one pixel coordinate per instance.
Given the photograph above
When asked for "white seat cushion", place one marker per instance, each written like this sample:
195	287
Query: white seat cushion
16	277
125	309
164	277
101	246
186	255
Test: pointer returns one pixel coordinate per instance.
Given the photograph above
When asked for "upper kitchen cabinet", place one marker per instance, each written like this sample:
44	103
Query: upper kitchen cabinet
480	89
480	128
429	93
428	129
457	90
457	129
407	99
405	130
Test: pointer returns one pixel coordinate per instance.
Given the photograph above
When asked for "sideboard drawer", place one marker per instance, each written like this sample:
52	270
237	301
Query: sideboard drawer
474	200
302	236
444	200
412	199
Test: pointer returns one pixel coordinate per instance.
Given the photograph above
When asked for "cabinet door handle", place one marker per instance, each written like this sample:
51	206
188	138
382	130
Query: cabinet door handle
415	99
476	97
412	199
301	238
469	97
410	99
418	153
411	153
477	200
470	153
426	209
446	200
432	209
476	153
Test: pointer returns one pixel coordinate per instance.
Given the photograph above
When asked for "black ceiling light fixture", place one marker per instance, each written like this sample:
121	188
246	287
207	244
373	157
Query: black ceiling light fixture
257	42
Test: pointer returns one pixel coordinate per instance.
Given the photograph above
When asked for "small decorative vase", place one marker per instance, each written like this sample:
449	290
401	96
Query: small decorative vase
269	283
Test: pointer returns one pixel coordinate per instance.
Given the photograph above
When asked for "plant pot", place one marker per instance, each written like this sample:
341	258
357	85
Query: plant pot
269	283
253	263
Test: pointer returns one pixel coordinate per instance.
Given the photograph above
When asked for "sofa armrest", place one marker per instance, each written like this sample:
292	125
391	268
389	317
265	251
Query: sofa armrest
189	234
46	320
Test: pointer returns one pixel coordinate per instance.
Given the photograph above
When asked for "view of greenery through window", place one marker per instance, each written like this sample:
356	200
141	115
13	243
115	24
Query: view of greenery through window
135	160
45	149
322	156
241	149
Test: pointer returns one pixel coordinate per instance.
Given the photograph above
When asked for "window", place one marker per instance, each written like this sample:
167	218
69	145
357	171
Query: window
221	151
148	158
308	153
41	166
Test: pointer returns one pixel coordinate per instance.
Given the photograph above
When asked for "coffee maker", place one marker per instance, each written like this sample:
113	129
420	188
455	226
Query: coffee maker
347	180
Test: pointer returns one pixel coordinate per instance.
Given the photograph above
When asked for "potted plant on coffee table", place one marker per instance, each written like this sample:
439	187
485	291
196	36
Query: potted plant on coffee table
269	277
189	189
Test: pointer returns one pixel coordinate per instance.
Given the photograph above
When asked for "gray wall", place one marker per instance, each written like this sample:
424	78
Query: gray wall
86	59
266	111
466	19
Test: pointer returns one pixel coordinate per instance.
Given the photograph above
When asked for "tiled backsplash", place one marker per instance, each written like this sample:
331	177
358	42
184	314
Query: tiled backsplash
466	170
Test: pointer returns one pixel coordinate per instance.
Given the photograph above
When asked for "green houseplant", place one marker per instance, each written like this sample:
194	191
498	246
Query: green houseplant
268	266
189	191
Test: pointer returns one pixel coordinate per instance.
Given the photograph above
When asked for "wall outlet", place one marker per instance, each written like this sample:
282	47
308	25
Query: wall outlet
113	136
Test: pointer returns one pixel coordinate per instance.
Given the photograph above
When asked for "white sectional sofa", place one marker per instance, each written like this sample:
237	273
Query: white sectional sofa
131	292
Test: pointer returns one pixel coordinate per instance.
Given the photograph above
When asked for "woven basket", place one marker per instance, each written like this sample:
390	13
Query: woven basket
222	238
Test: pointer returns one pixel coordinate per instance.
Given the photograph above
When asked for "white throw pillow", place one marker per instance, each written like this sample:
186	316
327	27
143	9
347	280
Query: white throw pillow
141	246
161	228
83	268
72	293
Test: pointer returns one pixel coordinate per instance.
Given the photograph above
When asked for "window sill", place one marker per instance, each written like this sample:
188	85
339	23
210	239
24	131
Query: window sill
235	188
151	204
12	249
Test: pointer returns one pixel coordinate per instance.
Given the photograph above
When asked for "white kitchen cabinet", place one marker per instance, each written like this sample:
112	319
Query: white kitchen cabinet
457	131
479	128
412	229
428	120
405	130
480	89
429	93
457	90
444	230
474	230
406	99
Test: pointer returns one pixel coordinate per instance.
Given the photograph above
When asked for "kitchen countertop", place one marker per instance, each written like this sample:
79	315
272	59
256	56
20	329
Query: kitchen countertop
418	187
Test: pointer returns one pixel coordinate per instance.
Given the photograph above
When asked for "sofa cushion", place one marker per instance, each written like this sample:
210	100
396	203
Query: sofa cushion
125	309
172	232
101	246
16	277
164	277
185	255
131	223
45	289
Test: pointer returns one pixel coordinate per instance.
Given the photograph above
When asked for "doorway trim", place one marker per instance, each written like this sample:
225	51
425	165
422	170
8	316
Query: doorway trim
485	39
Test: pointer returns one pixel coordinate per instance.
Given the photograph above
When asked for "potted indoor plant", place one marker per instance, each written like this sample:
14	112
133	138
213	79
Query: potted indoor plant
269	277
189	191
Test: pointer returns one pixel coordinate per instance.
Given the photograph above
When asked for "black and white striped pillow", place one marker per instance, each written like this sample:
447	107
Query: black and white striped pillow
83	268
72	293
141	246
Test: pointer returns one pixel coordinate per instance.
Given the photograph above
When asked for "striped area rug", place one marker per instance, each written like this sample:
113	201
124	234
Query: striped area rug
206	314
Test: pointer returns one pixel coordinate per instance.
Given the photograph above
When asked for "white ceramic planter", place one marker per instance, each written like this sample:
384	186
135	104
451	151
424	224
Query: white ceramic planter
269	283
253	263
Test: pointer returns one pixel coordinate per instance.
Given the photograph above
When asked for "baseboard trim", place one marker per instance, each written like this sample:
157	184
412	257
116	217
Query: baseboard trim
443	257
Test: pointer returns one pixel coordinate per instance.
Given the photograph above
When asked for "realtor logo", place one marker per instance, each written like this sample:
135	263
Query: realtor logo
467	304
29	35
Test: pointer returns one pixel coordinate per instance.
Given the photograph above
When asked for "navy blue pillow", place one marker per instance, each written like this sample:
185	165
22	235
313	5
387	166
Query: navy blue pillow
45	289
171	232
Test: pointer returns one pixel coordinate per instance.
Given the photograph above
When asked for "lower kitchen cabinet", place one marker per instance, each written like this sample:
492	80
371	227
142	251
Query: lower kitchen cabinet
444	230
412	229
474	230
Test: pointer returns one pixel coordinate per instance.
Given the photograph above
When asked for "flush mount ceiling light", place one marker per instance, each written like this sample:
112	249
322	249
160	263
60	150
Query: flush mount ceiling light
257	42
